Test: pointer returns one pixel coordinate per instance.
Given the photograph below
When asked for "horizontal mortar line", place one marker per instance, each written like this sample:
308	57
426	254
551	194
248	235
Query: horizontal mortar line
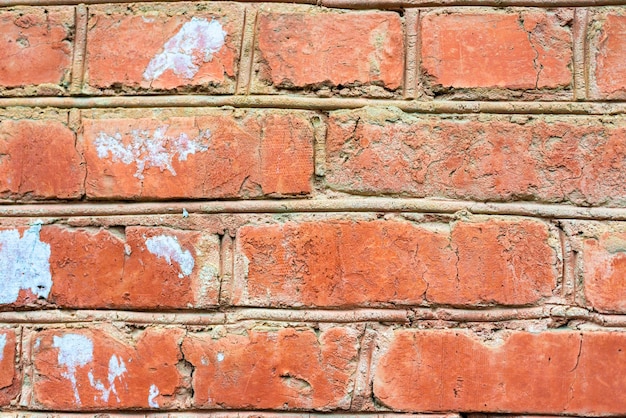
318	103
235	413
238	314
356	204
355	4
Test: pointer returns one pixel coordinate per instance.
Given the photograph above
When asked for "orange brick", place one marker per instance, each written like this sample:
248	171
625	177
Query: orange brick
604	271
554	372
39	160
313	49
377	263
10	376
212	156
491	158
148	268
608	56
288	368
154	49
36	46
524	50
90	369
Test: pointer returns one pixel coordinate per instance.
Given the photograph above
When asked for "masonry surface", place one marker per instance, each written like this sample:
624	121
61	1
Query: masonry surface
390	208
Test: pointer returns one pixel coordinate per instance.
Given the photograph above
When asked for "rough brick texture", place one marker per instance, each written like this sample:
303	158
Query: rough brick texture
378	263
336	208
578	160
524	50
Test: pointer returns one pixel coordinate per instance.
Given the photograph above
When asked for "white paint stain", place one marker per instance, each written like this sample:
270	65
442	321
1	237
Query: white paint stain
150	149
168	247
220	357
154	392
24	264
3	343
75	351
194	43
117	369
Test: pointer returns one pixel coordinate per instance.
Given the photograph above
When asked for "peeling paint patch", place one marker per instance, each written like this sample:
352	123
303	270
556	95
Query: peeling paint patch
24	264
220	357
3	343
154	392
150	149
168	248
117	369
75	350
194	43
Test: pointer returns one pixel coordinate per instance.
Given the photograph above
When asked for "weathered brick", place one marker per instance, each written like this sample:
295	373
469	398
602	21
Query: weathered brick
287	368
89	369
553	372
604	269
302	49
36	47
498	158
218	155
147	268
39	160
156	48
377	263
527	49
608	56
10	375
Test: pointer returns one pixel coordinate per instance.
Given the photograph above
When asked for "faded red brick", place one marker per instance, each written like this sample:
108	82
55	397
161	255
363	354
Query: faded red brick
313	49
162	49
219	155
10	376
90	369
604	271
288	368
524	50
609	56
136	268
581	160
39	160
377	263
35	46
554	372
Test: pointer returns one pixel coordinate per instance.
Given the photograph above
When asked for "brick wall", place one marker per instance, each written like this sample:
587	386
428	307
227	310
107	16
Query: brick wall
357	207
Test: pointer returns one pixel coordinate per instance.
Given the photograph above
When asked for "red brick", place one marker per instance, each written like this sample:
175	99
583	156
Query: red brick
554	372
259	154
313	49
9	374
377	263
289	368
142	47
39	160
524	50
567	159
98	269
608	56
604	271
88	369
35	46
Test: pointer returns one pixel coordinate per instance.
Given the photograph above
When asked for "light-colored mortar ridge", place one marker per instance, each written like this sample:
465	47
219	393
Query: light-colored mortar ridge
356	204
221	414
396	316
317	103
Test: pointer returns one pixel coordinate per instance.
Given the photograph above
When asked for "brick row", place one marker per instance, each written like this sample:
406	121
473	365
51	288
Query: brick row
280	367
481	53
475	262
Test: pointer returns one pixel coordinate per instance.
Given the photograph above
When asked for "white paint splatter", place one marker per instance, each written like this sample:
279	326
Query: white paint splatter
24	264
220	357
150	149
117	369
3	343
168	247
75	350
154	392
194	43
